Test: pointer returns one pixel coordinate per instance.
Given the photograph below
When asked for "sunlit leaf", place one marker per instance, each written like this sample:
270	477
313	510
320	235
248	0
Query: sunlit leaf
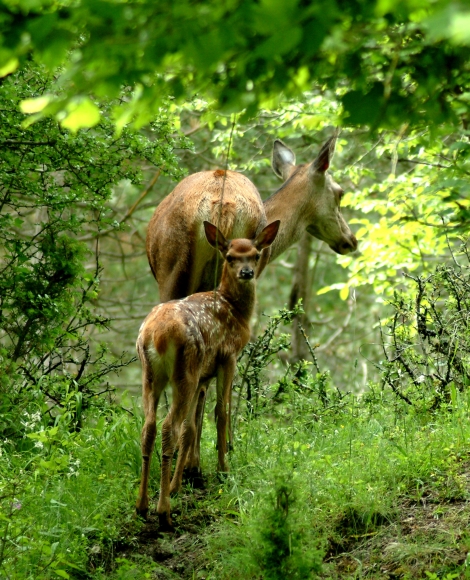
344	292
35	105
9	67
82	114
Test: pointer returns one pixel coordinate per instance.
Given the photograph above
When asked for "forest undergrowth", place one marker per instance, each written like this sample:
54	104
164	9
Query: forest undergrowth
369	489
354	463
324	483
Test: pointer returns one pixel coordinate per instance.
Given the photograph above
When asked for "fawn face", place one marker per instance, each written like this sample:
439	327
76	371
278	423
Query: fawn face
242	260
241	255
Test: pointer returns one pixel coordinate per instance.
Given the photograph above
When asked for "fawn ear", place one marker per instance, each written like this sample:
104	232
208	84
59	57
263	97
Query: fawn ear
215	237
267	236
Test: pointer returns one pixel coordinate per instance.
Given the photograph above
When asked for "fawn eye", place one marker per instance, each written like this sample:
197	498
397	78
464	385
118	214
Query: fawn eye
258	256
229	259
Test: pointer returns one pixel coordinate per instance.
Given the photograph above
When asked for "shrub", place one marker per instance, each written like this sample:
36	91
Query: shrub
427	346
54	190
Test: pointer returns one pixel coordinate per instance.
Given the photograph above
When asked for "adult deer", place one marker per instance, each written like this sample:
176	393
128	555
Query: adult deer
183	262
179	256
188	342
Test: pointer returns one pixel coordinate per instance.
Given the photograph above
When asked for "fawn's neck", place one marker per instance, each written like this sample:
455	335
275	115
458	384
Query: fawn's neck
241	295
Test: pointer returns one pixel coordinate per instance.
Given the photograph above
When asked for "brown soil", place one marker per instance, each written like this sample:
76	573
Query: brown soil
178	554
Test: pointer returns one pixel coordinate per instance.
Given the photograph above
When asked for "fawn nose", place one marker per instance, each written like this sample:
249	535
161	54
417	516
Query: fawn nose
246	273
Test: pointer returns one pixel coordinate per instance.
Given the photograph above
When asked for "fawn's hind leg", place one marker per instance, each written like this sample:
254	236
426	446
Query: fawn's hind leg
187	441
192	470
152	386
178	427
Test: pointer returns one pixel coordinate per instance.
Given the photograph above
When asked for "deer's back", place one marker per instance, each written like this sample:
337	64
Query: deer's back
175	235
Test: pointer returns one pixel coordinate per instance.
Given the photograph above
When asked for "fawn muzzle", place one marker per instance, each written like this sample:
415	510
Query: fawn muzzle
246	273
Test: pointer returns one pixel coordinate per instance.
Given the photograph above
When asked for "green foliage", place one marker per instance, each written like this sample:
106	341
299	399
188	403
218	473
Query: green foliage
300	389
427	346
411	204
316	471
141	569
244	54
54	190
280	550
61	502
314	476
257	355
355	477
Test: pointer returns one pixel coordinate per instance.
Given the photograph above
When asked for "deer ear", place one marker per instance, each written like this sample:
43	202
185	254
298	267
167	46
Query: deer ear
323	159
267	236
283	159
215	237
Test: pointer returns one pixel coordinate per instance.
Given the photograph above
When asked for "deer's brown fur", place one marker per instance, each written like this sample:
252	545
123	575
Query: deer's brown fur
179	256
181	259
186	343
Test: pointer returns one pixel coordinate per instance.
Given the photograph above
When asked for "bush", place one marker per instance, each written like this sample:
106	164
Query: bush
54	191
427	346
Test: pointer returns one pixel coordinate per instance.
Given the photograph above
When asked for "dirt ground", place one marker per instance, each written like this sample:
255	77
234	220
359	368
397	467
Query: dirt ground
427	534
178	554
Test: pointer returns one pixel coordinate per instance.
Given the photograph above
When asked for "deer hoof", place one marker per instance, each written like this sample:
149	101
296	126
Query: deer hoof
164	523
193	476
142	512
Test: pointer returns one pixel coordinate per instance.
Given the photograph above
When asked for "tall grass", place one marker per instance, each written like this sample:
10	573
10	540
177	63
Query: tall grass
309	477
347	473
66	499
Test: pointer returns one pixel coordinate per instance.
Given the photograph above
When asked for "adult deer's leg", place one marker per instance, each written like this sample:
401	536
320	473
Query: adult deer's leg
175	285
225	376
152	386
177	279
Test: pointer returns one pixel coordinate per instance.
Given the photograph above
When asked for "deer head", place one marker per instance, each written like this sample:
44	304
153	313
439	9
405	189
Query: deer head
310	198
241	256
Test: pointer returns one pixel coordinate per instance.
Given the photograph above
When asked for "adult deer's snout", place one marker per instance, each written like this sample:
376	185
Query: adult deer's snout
347	246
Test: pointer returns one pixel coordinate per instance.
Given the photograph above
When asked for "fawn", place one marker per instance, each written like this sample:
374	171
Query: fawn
187	342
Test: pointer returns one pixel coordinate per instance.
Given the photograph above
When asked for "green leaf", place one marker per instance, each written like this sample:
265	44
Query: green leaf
279	43
9	67
339	286
35	105
364	108
83	113
344	292
460	29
